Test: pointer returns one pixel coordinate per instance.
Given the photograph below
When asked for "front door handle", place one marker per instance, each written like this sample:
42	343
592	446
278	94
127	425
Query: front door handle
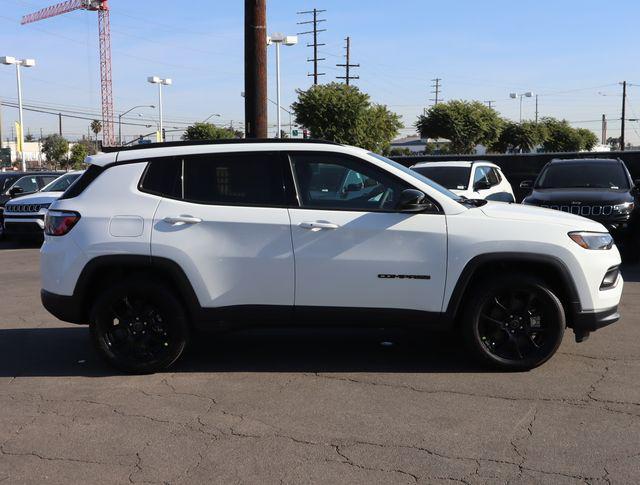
182	219
317	225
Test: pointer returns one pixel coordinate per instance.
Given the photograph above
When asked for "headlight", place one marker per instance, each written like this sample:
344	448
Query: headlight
592	240
625	208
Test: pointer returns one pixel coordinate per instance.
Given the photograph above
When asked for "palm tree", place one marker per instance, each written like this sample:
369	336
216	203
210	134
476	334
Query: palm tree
96	127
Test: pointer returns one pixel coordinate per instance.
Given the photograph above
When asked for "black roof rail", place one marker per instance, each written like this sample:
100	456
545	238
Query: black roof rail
226	141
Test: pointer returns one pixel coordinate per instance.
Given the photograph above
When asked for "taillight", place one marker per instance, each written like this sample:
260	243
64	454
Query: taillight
59	223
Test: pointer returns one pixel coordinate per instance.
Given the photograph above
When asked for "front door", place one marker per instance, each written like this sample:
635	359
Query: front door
352	248
227	226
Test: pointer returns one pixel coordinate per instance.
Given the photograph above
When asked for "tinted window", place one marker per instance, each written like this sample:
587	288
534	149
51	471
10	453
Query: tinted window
450	177
481	175
27	184
341	182
494	176
163	177
420	177
234	179
61	183
7	182
47	179
604	175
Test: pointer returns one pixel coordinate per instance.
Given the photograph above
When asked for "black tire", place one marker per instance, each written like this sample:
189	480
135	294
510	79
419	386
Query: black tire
139	326
513	322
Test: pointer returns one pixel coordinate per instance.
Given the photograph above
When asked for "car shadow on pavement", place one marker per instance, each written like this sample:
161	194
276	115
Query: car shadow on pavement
66	351
631	272
25	243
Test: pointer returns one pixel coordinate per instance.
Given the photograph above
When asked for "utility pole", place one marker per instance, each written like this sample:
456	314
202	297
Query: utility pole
536	109
624	109
490	103
436	86
604	129
0	123
315	44
348	64
255	68
60	124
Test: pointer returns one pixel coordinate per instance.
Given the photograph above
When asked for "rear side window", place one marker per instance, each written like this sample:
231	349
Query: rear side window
234	179
81	183
163	176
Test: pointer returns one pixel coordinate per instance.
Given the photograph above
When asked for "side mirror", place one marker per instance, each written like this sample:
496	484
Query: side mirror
412	200
526	184
13	191
481	185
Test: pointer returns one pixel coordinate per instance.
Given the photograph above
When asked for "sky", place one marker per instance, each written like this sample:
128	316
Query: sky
572	53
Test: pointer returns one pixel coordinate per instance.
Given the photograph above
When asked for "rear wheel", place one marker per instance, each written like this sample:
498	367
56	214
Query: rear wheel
514	322
139	326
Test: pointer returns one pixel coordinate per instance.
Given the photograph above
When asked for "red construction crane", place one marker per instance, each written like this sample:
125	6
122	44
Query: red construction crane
104	32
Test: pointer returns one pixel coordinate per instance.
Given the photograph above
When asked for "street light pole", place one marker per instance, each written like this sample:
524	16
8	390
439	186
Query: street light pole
527	94
126	112
7	60
160	82
277	39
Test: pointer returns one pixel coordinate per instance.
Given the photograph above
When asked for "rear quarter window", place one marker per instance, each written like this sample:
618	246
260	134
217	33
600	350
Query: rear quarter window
163	176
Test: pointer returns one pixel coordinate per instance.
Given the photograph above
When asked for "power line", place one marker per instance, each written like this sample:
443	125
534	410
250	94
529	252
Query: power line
315	21
347	77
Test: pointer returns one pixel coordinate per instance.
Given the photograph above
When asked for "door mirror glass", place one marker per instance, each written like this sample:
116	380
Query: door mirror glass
13	191
412	200
526	184
481	185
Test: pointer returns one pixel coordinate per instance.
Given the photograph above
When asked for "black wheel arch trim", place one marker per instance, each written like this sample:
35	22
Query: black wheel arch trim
481	260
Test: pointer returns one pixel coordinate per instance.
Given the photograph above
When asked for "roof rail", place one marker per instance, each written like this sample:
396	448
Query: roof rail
226	141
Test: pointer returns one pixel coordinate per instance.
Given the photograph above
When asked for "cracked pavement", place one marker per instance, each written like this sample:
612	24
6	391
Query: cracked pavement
311	407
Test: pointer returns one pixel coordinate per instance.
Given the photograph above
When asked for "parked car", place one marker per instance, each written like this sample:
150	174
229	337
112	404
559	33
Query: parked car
14	184
600	189
473	180
156	242
25	215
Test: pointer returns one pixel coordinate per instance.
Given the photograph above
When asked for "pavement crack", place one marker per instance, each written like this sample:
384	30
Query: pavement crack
348	461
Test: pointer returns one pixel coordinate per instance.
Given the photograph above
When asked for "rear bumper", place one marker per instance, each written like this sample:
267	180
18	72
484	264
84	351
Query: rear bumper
65	308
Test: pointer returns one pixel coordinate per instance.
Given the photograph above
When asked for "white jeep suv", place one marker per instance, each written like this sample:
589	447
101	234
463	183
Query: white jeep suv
155	242
471	179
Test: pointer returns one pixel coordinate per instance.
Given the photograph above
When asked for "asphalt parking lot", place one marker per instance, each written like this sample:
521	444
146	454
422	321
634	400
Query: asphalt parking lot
321	407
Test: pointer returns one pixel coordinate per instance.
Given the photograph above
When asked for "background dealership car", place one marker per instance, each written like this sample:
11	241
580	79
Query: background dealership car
155	242
600	189
25	215
473	180
14	184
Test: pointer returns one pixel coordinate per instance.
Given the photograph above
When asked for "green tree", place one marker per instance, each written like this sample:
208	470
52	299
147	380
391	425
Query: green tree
209	131
561	137
96	127
464	123
519	137
588	139
614	142
79	151
29	137
55	148
343	114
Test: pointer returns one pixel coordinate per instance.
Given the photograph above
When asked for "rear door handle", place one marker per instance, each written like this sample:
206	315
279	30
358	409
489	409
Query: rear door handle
183	219
318	225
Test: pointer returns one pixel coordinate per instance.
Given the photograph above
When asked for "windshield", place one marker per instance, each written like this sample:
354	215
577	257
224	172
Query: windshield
61	183
601	175
456	178
419	176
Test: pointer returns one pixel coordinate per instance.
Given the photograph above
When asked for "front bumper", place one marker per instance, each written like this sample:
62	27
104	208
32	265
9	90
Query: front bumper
583	323
26	224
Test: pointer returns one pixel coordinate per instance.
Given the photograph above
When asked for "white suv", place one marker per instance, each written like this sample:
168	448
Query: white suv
153	243
474	180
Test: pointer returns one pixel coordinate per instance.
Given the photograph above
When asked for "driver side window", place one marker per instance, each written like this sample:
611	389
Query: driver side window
27	184
327	181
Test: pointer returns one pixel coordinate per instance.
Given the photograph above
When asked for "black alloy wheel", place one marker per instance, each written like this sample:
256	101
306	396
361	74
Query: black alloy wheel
516	323
139	327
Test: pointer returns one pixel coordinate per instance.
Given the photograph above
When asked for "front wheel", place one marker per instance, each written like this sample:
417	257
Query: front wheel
514	322
139	326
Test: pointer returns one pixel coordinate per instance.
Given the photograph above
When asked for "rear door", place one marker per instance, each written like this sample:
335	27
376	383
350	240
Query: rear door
226	224
352	248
